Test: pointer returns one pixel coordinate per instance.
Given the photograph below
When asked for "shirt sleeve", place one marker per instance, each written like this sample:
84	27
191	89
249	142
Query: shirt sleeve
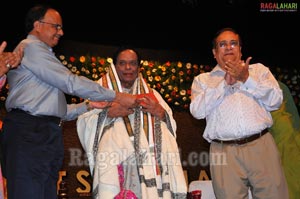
75	110
205	98
55	74
2	81
264	87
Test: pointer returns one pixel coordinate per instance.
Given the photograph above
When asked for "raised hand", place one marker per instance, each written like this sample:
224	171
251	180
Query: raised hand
237	71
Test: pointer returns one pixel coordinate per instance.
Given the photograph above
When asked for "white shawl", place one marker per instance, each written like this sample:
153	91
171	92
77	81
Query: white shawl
108	144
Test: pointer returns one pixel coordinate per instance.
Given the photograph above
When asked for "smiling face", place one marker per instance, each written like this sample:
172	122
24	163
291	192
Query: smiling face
49	28
127	67
227	48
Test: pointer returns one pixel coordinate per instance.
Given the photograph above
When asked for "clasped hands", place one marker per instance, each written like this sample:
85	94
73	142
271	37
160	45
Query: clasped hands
124	105
236	71
9	60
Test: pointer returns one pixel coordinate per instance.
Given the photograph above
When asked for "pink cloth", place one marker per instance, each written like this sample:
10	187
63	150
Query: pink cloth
124	194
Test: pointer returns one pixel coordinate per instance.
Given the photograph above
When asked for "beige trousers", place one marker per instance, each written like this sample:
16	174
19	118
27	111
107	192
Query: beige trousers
257	164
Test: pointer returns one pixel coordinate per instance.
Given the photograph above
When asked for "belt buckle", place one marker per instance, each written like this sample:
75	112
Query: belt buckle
60	122
241	141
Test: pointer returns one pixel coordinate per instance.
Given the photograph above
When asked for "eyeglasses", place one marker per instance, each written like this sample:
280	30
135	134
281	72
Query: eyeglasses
123	63
224	44
54	25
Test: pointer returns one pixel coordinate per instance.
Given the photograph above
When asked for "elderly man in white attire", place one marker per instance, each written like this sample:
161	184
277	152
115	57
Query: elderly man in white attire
132	152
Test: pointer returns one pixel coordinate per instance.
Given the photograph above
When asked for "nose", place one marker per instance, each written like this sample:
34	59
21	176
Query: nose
127	65
229	46
61	32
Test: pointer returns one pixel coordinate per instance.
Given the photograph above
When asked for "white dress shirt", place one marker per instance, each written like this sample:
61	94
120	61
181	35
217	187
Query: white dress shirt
238	110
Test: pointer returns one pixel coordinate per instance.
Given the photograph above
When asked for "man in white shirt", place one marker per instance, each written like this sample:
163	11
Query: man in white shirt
236	99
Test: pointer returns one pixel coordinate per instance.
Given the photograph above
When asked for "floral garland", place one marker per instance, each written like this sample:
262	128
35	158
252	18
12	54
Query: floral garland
171	79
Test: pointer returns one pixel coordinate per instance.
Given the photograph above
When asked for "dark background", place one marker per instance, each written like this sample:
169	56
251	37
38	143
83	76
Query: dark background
271	38
188	26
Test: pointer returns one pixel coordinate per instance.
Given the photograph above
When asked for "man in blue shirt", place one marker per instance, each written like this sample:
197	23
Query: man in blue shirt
31	140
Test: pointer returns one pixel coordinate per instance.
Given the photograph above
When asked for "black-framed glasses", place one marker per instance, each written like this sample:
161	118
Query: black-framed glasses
224	44
54	25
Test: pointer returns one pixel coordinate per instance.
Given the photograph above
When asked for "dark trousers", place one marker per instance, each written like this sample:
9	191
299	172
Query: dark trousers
32	150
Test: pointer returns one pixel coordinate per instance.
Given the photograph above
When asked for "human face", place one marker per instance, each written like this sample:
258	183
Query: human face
227	48
49	29
127	67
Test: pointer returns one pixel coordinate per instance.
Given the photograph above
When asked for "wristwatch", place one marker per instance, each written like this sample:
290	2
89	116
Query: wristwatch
88	106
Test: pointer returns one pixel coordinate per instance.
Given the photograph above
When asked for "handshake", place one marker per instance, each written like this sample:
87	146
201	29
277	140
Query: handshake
127	101
124	105
135	101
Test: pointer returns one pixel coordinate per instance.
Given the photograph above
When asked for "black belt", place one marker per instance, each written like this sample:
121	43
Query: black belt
49	118
243	140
